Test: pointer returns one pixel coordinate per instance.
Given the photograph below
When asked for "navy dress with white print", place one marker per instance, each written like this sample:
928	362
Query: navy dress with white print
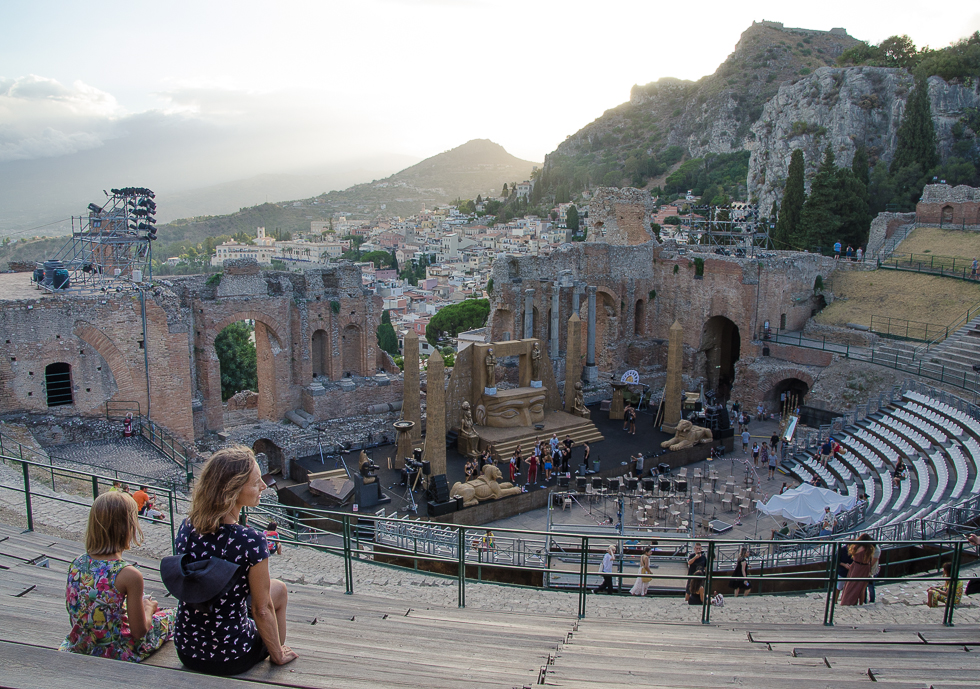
225	632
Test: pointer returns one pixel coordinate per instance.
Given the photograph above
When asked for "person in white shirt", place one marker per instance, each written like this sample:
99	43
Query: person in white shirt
606	570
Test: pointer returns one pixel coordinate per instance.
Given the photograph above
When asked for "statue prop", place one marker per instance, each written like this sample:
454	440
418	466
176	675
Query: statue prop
467	442
485	487
535	362
490	362
578	407
687	435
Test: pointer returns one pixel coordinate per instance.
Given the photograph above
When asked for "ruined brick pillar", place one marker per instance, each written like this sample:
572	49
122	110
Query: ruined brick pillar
675	383
573	359
435	416
553	343
411	404
591	373
528	313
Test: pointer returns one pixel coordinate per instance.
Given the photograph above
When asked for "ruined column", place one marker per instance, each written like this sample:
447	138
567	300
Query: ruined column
576	293
435	416
411	404
591	373
573	359
553	344
675	383
528	313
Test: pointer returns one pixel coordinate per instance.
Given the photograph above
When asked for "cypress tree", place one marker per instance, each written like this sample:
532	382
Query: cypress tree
786	233
819	223
916	135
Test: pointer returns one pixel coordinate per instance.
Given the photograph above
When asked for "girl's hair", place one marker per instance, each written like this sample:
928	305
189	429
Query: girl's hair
696	583
272	526
112	525
948	568
222	479
861	543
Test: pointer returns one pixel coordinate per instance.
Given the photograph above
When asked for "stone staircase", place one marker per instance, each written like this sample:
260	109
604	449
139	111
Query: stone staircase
581	431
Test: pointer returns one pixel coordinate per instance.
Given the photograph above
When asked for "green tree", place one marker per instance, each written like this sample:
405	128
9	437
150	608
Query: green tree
456	318
571	219
236	356
786	235
394	261
818	222
852	208
503	192
860	165
380	259
916	135
479	199
387	339
467	207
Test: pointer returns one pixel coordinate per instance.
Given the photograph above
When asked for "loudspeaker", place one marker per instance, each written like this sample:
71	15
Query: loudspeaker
664	468
649	484
614	485
563	482
596	483
665	485
426	468
632	484
680	485
581	483
439	508
440	488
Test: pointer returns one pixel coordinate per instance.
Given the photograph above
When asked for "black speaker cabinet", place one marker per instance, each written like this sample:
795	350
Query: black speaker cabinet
426	468
632	484
439	508
649	484
681	485
597	482
440	488
614	485
665	485
563	481
581	483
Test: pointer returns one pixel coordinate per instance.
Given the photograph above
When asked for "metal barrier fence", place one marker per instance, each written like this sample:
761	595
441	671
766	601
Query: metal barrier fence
944	266
904	329
459	547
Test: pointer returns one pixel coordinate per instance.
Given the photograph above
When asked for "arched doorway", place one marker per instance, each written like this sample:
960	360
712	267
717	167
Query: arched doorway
639	325
238	363
947	215
320	353
721	345
351	350
788	389
57	384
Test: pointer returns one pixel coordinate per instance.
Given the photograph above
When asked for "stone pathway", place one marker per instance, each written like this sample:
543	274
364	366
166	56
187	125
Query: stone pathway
901	603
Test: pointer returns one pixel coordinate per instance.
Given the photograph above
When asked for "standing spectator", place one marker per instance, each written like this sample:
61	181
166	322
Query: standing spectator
862	553
771	462
755	454
606	570
745	442
554	443
844	561
110	617
639	459
973	270
128	424
547	463
696	561
585	457
849	253
532	469
736	407
642	582
828	523
514	464
739	582
774	441
875	568
631	420
469	470
825	451
626	416
568	443
859	254
272	538
837	250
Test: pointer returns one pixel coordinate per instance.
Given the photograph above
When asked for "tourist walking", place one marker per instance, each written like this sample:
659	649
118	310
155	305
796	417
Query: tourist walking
745	442
859	254
973	269
771	461
755	454
862	553
849	253
774	441
605	569
739	581
109	615
837	251
532	469
642	582
631	420
695	561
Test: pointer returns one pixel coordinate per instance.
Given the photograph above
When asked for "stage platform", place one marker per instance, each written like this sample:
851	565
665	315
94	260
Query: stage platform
505	440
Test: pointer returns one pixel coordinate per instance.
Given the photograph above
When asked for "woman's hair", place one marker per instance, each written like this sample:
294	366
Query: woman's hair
861	543
217	489
112	525
697	583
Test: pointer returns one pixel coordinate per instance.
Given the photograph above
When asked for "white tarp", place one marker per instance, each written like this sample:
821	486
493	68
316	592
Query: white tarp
805	504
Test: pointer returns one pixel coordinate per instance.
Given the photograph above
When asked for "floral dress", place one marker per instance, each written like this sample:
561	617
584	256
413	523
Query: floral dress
100	626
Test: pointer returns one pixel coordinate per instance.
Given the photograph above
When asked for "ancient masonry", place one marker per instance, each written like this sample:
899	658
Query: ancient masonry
629	292
949	206
314	335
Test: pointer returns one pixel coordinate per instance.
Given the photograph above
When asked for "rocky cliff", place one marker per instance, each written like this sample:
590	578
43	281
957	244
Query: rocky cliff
843	108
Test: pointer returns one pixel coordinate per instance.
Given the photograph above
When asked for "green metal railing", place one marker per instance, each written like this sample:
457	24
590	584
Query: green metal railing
904	329
158	436
944	266
456	556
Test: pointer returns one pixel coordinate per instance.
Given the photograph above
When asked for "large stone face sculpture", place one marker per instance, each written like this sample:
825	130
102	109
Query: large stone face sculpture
485	487
687	435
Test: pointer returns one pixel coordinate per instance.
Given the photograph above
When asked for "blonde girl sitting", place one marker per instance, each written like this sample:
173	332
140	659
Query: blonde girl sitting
109	615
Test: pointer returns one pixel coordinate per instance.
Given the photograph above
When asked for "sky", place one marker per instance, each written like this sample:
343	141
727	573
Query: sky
210	91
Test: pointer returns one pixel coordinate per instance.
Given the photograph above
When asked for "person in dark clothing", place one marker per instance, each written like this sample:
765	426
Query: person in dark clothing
844	559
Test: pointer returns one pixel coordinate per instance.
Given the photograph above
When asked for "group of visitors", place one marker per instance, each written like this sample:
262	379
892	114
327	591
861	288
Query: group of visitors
546	457
850	254
857	560
629	419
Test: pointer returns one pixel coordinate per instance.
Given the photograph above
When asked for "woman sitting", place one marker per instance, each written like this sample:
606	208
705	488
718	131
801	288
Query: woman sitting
220	638
937	594
109	615
695	589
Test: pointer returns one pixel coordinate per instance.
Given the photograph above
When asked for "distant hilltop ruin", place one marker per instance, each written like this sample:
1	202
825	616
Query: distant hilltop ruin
836	31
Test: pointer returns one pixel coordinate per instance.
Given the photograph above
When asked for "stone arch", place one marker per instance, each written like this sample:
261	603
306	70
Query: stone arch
639	318
320	353
352	350
126	389
721	345
272	451
271	339
946	214
792	380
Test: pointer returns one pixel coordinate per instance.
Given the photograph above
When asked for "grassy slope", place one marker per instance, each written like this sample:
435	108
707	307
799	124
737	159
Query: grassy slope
897	294
932	240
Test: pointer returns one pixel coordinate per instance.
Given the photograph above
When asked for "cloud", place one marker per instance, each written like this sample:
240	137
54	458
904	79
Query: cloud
43	118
